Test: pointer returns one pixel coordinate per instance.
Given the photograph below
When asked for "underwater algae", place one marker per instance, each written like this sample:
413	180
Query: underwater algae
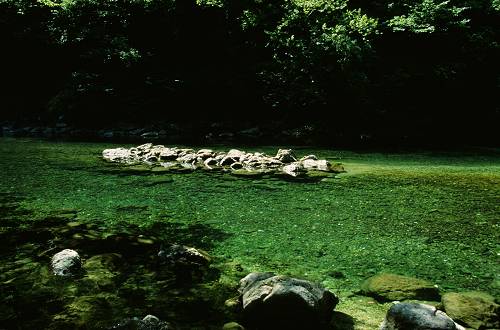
432	216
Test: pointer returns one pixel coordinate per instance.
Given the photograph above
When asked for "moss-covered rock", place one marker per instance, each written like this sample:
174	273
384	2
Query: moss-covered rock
391	287
474	309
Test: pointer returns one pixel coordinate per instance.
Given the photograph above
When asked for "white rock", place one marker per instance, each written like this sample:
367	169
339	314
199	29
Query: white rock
66	263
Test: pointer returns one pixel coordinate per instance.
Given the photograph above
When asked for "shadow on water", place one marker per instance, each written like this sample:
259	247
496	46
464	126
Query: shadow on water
122	274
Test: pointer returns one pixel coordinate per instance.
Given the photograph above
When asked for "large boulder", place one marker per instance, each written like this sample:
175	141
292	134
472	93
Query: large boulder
187	159
271	301
391	287
477	310
413	316
66	263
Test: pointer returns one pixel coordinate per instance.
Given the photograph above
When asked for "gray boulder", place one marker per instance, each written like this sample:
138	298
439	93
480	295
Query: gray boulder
313	164
286	156
117	155
278	302
235	154
66	263
413	316
168	154
294	169
187	158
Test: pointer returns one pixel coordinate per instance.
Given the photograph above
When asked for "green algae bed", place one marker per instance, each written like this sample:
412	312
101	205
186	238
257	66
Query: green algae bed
429	215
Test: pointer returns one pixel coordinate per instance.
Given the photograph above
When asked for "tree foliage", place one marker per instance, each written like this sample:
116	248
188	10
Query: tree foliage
372	65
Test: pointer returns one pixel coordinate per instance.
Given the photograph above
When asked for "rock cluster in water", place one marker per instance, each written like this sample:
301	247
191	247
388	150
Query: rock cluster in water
284	162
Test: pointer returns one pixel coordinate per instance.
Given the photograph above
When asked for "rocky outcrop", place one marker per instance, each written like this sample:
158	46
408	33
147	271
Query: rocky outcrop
477	310
271	301
284	163
66	263
392	287
412	316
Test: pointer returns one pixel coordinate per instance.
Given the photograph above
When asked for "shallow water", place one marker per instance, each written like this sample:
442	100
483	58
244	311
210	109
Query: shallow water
430	215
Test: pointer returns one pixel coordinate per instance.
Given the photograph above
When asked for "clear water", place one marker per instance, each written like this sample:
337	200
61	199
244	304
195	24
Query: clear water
430	215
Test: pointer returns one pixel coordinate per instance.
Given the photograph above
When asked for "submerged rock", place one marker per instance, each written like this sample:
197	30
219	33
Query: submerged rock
392	287
413	316
278	302
477	310
66	263
176	253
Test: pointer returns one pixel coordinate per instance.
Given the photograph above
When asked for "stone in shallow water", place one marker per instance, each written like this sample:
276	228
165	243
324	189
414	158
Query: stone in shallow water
66	263
392	287
413	316
477	310
279	302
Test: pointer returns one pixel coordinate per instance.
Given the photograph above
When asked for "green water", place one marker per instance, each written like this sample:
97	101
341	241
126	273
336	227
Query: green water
430	215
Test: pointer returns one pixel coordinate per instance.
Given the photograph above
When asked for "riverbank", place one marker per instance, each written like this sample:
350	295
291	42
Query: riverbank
243	133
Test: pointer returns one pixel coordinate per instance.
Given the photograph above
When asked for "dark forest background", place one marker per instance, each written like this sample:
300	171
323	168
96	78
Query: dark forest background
423	69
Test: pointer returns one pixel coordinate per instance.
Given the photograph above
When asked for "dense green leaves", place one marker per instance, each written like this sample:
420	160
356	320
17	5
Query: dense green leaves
370	64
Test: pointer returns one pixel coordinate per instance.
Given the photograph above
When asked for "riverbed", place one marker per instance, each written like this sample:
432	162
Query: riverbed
427	214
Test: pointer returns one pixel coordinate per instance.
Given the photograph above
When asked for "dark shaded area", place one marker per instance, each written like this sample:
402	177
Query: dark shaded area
379	72
123	276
